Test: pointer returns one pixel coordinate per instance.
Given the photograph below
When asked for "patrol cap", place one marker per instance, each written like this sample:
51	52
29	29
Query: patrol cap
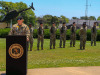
41	23
64	22
84	23
73	22
20	18
53	22
95	22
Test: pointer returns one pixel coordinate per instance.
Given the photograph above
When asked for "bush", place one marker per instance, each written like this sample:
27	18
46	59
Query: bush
35	33
4	33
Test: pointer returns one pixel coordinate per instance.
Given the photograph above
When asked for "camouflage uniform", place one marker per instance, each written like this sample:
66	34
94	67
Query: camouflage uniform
52	37
93	35
83	37
31	38
40	37
73	36
20	30
63	36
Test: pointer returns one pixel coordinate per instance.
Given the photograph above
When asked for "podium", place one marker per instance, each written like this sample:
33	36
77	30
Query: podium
16	55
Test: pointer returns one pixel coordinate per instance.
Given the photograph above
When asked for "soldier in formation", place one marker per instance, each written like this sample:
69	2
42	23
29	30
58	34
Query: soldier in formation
63	30
52	36
40	32
20	28
73	35
83	36
31	37
93	34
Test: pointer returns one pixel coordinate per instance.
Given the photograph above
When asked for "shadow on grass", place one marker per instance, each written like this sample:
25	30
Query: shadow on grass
80	49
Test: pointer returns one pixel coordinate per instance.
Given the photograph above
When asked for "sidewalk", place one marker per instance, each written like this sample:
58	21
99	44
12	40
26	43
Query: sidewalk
63	71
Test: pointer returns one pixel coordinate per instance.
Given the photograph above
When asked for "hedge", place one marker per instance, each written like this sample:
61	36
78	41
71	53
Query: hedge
4	32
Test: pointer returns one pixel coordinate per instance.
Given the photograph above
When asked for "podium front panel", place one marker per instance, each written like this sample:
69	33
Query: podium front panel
16	55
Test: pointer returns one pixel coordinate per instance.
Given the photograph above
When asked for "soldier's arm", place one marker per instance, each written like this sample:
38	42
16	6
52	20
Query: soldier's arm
27	32
60	30
55	28
86	28
38	31
75	28
79	32
43	31
32	30
50	30
66	28
11	31
91	29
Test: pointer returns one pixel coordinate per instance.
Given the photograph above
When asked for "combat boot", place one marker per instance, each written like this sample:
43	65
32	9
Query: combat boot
41	48
53	47
80	48
83	48
73	45
38	49
50	47
63	46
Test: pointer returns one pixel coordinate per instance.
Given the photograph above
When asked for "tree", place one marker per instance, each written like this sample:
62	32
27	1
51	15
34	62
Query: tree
74	18
98	18
29	16
92	18
47	19
64	18
84	18
55	19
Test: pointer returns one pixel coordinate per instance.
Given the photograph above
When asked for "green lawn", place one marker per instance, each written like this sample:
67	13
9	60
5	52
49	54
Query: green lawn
59	57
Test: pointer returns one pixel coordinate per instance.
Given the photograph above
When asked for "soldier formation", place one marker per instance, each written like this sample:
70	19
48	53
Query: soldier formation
21	29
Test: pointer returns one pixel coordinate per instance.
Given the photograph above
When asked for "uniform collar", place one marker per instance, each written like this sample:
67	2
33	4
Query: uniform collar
21	25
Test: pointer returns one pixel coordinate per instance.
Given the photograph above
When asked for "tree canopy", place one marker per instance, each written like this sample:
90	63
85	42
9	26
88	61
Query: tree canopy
29	15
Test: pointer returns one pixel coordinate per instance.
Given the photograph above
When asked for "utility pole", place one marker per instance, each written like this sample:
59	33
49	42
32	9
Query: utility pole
86	10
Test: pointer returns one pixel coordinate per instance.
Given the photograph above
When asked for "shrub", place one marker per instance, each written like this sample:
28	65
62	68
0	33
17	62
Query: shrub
4	33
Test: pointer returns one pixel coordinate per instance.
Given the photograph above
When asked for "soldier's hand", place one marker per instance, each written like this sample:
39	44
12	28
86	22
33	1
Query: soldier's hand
27	39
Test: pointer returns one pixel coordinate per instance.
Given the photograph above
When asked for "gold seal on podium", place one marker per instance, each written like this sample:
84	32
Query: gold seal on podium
16	51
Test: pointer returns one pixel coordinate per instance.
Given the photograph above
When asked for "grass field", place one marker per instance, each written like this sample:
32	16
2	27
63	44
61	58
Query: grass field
59	57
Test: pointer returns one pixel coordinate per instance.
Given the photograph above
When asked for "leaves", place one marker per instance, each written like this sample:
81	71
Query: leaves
29	16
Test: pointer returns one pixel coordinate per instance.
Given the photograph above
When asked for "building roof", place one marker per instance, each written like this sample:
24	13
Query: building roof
80	22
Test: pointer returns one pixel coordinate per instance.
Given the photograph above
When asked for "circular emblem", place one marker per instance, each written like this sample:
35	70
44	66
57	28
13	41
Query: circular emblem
16	51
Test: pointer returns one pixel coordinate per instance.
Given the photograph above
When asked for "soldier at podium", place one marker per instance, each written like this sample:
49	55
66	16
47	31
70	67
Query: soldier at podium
20	28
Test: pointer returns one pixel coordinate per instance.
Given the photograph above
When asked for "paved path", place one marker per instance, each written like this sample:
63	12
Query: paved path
63	71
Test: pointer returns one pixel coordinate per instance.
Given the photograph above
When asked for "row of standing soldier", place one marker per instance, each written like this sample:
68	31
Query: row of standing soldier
63	29
21	29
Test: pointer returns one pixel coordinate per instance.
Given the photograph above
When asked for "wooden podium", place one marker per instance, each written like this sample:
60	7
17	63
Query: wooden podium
16	55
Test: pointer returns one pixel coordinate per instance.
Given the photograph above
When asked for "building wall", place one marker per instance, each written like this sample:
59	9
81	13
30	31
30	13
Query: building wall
80	22
4	25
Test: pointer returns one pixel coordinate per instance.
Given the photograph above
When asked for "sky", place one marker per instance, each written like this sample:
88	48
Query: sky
68	8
